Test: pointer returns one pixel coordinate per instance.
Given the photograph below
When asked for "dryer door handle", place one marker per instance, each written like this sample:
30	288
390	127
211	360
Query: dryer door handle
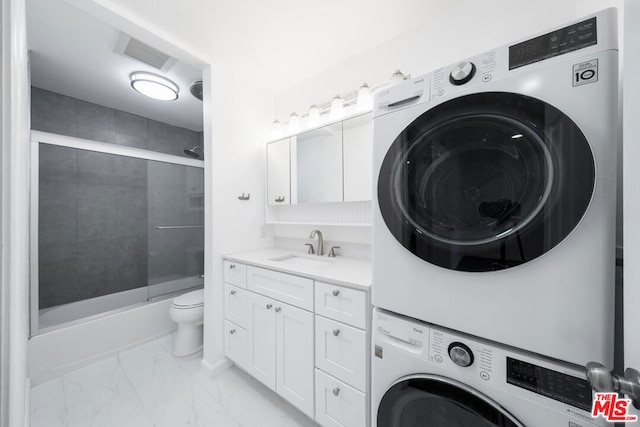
602	380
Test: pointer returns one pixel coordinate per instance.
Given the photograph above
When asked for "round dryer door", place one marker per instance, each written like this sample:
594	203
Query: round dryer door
486	181
439	402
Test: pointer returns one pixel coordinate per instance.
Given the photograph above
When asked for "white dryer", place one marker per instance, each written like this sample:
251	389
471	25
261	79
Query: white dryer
429	376
495	179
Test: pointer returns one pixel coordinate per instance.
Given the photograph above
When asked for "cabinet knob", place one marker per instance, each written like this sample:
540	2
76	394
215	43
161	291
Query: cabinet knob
336	332
232	266
336	293
278	309
280	199
233	331
269	306
233	292
336	391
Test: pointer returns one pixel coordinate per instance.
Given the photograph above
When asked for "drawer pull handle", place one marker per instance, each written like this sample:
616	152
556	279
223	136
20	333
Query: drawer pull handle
336	293
269	306
232	266
278	309
233	292
336	332
233	331
336	391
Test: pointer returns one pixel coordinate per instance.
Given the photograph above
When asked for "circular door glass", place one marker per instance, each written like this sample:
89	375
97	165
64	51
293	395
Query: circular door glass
436	402
486	181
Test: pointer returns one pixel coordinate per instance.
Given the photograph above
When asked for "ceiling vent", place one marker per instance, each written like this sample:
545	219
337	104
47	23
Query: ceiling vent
135	49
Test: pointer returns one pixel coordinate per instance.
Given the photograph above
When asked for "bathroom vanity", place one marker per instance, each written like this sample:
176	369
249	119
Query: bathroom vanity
300	324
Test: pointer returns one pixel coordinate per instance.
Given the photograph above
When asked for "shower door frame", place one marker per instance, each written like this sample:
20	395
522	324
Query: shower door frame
39	137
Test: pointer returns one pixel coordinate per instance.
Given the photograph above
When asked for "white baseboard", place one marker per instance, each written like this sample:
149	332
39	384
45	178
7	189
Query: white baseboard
211	370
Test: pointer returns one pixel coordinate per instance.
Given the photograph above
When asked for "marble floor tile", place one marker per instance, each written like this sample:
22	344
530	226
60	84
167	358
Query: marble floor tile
147	386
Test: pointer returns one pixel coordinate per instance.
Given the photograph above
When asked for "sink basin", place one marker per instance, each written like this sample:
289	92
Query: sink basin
300	261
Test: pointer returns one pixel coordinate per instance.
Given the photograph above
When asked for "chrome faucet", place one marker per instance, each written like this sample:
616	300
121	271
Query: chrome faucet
315	233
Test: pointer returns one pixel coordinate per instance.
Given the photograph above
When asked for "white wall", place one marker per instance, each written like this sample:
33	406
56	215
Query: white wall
463	29
239	115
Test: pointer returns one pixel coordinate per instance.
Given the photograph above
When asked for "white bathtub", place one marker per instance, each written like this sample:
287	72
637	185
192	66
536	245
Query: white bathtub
73	335
69	314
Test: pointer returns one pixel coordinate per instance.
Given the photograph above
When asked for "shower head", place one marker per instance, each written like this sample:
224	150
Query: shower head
192	152
196	89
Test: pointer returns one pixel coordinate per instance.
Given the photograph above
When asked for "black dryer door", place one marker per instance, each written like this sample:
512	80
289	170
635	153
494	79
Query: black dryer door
439	402
486	181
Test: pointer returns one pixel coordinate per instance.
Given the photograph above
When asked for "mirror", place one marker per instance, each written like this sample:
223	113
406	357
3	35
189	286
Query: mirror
328	164
316	165
357	147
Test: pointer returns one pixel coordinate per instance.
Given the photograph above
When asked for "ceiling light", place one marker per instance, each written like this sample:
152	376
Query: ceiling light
154	86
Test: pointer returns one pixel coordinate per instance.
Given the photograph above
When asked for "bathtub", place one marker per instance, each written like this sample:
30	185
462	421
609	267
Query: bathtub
76	334
81	311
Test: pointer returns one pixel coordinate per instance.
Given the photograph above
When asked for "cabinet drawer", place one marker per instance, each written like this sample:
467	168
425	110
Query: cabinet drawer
235	343
343	304
337	404
294	290
341	351
235	274
236	305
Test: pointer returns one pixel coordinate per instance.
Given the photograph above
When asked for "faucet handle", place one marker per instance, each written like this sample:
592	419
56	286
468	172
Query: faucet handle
310	251
332	252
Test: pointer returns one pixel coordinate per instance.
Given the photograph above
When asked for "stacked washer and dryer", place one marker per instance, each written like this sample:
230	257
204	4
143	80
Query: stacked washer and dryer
494	234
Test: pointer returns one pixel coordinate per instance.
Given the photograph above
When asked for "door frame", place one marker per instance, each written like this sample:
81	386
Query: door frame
14	179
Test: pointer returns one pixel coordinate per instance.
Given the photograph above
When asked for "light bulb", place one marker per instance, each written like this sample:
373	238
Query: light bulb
337	108
294	123
314	116
397	77
365	99
276	129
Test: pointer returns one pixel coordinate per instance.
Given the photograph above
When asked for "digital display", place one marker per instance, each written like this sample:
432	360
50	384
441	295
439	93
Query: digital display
568	39
552	384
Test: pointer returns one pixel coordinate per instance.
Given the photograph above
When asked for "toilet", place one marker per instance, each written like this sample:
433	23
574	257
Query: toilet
187	311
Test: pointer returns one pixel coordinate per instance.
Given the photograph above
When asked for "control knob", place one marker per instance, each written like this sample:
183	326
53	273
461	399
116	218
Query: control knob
460	354
462	72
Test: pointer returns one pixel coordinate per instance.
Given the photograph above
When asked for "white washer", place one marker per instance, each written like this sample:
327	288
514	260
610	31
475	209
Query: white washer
495	179
426	375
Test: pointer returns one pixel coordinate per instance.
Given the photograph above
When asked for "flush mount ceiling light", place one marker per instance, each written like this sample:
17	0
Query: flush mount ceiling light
154	86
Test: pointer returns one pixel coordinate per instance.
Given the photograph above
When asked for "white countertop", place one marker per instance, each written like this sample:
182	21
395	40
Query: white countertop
351	272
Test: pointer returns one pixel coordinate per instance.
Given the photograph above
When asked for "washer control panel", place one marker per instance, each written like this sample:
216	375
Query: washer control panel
462	354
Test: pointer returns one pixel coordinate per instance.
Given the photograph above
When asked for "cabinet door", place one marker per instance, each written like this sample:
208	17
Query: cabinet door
337	404
294	337
341	351
236	305
235	343
278	173
261	357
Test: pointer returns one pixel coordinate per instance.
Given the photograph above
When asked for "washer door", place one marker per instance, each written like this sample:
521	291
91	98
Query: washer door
439	402
486	181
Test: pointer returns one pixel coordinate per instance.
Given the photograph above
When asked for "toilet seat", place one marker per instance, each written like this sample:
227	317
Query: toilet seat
191	299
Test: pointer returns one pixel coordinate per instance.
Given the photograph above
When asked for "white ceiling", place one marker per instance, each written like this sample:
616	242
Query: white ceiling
277	44
73	54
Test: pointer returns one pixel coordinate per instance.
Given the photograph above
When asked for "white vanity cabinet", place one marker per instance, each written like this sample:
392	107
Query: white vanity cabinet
305	339
236	310
277	310
342	356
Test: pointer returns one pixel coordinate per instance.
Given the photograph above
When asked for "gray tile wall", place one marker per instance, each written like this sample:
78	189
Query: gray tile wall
94	215
56	113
